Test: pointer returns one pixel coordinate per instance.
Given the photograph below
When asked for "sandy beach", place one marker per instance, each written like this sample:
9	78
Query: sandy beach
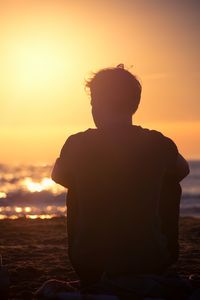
36	250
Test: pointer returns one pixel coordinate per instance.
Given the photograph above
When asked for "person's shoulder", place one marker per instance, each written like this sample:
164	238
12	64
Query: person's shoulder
158	137
149	133
82	134
80	137
74	141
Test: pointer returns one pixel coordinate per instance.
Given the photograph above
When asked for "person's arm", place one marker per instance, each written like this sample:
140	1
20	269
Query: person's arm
177	167
182	167
59	173
62	170
179	170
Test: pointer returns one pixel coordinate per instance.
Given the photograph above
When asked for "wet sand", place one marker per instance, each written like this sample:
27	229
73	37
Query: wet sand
36	250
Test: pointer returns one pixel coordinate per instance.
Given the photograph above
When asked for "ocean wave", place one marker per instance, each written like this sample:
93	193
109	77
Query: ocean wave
40	199
190	211
191	196
25	189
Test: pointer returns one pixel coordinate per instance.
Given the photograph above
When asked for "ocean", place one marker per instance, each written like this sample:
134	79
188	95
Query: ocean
28	191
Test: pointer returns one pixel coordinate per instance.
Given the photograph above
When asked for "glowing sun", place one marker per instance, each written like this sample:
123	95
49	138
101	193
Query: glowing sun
36	64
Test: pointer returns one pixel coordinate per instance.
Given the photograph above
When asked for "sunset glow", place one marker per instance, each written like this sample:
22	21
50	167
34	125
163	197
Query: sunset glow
35	64
50	47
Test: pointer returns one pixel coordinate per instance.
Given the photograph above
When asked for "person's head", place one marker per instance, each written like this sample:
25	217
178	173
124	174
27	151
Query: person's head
115	96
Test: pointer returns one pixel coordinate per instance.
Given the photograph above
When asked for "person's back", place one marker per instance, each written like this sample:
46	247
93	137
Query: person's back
115	176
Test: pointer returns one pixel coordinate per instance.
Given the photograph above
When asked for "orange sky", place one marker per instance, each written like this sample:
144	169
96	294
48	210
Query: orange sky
49	47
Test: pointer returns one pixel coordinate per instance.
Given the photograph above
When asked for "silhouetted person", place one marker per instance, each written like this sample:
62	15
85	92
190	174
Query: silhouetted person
123	186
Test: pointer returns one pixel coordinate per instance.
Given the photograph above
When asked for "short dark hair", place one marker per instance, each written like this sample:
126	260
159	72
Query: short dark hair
115	87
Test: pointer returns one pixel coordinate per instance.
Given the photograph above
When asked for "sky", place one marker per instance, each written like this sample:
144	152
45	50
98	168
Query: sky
49	48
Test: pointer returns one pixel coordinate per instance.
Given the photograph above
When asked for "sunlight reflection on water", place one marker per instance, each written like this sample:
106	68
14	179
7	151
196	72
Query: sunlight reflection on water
29	192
